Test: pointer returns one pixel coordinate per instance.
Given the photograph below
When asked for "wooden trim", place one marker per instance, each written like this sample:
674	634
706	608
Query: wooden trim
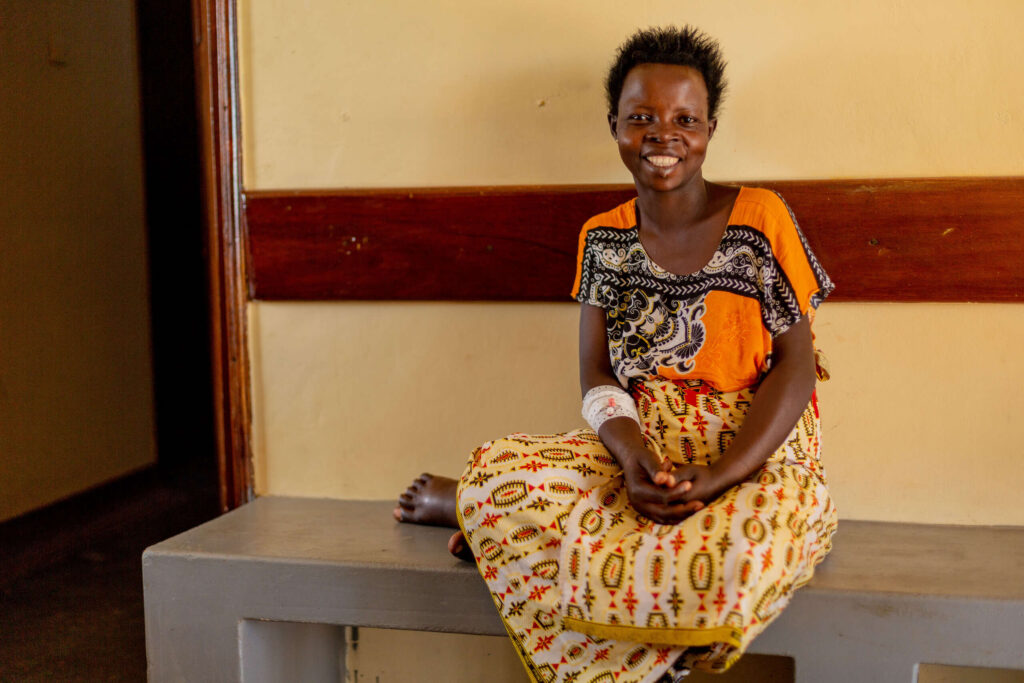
918	239
217	95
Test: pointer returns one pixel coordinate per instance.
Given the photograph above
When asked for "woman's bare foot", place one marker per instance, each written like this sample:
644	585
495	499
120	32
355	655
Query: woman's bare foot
429	500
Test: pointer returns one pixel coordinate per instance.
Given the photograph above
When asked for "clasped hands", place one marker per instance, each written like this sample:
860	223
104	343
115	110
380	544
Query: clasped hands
667	493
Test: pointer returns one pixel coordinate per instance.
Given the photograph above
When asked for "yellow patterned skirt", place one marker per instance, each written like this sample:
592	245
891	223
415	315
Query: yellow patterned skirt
592	591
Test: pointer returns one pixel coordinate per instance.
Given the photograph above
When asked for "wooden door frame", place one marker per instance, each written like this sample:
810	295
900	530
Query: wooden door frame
216	59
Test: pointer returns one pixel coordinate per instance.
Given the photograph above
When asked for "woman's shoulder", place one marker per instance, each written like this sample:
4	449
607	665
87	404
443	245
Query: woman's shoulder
762	209
622	217
763	199
597	233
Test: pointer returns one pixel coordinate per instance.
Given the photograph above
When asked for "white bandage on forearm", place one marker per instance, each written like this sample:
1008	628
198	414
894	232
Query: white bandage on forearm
605	402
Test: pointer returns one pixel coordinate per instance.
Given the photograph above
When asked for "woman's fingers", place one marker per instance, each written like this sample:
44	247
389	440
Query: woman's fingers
644	493
680	512
685	472
665	496
658	495
663	478
670	514
661	495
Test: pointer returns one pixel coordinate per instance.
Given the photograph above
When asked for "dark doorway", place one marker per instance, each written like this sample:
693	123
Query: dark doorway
177	259
71	582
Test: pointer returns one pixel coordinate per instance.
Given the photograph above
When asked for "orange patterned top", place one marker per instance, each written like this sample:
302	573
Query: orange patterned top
716	324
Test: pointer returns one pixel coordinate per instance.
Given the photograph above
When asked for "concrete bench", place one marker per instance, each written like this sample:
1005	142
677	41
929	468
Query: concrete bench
263	592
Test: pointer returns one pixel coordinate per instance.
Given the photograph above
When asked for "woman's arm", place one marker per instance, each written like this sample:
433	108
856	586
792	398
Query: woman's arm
777	405
652	491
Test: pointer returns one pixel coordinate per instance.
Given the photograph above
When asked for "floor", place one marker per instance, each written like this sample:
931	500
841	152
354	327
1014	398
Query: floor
81	618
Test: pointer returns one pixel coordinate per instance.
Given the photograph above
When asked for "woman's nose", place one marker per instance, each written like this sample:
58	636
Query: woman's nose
662	132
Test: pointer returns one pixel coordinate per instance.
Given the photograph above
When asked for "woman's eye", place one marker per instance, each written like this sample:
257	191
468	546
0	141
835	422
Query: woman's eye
639	117
688	120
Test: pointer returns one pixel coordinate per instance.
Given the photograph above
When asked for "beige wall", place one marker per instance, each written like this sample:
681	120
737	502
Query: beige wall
455	92
352	399
75	388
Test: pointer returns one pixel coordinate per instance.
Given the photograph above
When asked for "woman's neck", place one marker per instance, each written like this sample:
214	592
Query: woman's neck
664	212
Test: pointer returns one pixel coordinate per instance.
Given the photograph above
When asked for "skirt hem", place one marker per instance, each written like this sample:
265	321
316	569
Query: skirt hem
676	637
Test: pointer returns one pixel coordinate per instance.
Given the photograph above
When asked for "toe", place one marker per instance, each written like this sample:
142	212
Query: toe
456	543
458	547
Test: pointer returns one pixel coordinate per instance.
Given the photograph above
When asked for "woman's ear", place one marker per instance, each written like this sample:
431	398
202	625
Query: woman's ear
712	126
613	121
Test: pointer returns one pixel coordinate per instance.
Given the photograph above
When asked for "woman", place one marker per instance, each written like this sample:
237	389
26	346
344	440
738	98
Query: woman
672	532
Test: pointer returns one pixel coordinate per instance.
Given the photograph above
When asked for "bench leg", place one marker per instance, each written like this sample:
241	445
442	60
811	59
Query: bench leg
275	651
853	638
851	669
197	630
191	632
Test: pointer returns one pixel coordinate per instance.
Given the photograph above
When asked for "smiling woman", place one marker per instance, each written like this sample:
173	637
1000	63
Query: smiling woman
697	367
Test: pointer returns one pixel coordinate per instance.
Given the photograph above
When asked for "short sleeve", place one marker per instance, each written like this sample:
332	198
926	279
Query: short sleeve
799	283
597	274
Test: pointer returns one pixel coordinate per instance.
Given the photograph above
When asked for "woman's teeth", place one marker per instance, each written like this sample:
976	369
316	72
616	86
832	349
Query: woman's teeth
662	161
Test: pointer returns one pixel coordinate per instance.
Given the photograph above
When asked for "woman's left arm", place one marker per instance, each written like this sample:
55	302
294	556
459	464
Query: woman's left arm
777	405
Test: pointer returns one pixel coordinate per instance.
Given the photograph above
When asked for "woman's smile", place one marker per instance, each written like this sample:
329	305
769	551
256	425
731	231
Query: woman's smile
662	161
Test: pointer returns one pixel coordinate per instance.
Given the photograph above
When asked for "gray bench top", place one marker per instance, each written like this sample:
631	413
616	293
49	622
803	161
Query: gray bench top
873	557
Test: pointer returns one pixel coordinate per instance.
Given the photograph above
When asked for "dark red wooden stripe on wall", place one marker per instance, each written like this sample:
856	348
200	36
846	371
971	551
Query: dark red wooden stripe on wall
948	239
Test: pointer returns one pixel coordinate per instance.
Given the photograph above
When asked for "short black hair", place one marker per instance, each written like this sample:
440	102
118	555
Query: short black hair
686	46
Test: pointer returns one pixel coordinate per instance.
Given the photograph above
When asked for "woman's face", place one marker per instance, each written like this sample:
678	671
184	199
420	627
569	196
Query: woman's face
662	126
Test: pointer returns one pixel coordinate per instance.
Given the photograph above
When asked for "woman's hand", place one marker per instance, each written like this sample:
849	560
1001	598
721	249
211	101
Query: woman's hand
654	492
705	482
